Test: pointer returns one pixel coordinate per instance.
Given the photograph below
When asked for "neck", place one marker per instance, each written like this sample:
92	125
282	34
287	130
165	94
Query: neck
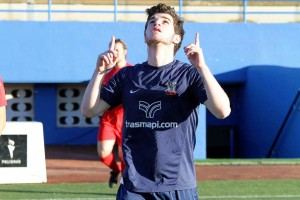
159	55
121	64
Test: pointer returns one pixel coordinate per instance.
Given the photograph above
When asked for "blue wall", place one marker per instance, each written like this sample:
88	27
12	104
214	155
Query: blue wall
262	98
66	51
45	111
267	97
245	58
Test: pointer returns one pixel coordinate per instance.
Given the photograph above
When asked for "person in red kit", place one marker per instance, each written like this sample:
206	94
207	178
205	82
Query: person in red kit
109	144
3	104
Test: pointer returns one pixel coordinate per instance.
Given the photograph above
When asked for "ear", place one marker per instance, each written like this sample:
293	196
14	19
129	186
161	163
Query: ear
145	37
176	39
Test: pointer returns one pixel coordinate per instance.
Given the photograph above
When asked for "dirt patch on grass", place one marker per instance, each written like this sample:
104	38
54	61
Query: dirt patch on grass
72	164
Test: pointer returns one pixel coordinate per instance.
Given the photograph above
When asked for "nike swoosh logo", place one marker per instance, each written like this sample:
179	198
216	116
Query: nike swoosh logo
134	91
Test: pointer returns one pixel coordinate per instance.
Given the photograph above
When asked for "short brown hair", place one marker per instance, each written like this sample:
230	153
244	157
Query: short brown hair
178	22
119	41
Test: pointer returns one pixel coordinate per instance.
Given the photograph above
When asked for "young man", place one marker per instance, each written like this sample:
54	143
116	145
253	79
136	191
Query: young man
161	98
3	104
110	130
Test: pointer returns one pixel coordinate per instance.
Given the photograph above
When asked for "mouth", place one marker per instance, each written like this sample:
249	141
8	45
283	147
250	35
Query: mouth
156	29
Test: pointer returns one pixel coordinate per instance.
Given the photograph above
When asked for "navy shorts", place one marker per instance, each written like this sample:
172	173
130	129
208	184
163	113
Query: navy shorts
190	194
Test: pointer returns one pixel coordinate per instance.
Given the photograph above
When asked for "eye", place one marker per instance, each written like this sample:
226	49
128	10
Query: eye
165	22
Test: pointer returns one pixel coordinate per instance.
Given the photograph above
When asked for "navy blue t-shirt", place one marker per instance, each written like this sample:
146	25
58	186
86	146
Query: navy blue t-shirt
160	121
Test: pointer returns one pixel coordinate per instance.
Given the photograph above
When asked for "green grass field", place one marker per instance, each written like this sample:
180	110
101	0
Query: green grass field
254	189
226	190
269	161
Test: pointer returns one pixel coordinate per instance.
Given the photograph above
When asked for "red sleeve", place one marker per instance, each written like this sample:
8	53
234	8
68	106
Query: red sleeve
2	94
128	64
111	73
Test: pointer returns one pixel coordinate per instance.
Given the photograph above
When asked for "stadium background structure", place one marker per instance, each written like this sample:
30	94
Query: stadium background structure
46	65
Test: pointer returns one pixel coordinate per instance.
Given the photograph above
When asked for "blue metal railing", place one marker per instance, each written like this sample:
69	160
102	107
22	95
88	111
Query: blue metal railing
115	10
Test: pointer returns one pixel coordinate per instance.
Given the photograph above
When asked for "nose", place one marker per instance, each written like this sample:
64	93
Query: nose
157	23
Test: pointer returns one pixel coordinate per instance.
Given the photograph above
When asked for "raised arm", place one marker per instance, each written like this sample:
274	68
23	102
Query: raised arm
92	105
217	100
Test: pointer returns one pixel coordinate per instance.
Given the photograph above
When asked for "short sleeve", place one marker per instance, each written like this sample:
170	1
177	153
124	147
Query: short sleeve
111	92
2	94
198	88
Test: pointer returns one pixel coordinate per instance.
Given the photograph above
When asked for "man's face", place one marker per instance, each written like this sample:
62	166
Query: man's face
121	52
160	29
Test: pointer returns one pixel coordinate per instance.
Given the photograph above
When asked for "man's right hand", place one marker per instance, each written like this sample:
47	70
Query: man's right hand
106	60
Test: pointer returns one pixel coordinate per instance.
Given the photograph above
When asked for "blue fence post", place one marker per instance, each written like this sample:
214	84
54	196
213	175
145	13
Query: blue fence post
49	9
245	11
180	8
115	10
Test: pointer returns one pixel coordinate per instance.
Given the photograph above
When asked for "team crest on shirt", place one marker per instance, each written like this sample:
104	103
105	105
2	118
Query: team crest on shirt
170	88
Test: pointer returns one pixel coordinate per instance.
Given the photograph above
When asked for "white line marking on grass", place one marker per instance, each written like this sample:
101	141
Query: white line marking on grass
250	197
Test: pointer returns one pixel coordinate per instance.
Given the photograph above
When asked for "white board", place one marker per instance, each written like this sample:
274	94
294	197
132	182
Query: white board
22	153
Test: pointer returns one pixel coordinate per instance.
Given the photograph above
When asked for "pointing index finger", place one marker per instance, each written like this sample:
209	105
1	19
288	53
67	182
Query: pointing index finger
197	43
112	43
